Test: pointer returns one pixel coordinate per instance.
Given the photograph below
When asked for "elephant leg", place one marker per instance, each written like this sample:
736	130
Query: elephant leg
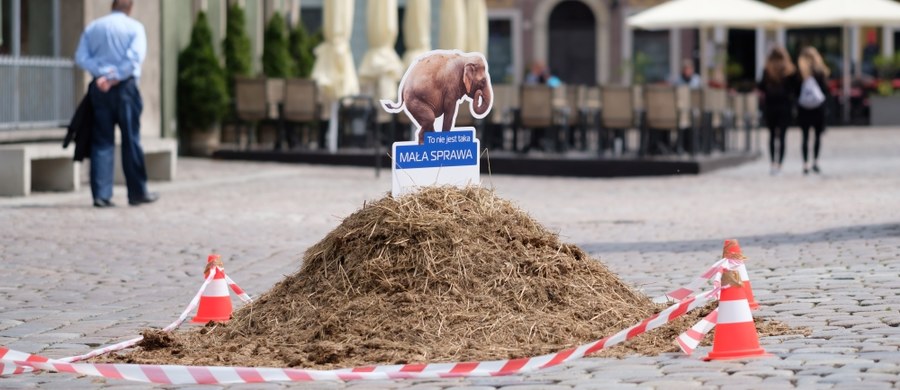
423	115
449	115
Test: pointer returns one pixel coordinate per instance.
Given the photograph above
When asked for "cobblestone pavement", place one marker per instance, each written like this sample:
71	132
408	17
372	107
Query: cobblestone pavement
823	253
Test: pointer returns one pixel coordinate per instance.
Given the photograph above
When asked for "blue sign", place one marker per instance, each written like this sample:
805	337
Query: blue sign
440	149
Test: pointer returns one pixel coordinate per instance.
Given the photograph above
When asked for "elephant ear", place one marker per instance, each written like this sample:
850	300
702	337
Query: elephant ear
469	77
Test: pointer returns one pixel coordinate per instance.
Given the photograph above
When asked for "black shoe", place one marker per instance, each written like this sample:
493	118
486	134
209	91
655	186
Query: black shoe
103	203
805	171
150	197
816	169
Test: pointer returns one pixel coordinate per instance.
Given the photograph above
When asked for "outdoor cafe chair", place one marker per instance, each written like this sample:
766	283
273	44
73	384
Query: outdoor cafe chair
502	116
301	108
251	106
617	117
538	114
662	125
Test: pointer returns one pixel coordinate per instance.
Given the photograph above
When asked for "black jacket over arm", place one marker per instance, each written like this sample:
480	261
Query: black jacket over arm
80	129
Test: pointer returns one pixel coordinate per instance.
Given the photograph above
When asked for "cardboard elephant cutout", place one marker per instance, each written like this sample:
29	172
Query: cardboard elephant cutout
433	87
437	83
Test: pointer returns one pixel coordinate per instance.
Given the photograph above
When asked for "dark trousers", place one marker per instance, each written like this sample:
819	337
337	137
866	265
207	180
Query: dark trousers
777	120
121	105
811	118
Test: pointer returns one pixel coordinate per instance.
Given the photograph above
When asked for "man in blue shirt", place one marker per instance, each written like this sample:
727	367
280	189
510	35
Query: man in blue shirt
112	49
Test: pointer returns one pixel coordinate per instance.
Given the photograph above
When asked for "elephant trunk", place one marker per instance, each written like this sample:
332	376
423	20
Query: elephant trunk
481	101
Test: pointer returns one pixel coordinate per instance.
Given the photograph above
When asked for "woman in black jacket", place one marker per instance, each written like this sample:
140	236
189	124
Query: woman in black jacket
810	65
778	85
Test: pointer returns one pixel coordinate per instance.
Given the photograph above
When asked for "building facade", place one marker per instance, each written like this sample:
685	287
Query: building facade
582	41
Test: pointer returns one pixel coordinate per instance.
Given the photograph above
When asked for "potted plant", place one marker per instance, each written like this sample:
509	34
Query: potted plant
238	62
202	96
883	105
276	57
301	48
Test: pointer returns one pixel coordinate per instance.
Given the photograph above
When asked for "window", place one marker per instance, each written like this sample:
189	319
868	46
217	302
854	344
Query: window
500	51
651	56
36	29
312	19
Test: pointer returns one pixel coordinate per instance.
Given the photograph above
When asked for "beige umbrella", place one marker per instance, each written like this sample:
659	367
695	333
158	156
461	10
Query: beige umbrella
847	14
334	69
381	65
453	24
477	25
707	13
416	30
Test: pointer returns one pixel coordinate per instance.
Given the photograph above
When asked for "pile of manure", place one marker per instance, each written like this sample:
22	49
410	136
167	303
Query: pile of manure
441	275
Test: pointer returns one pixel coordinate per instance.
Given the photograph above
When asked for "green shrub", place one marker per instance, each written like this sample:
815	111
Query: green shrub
202	98
302	45
236	46
276	58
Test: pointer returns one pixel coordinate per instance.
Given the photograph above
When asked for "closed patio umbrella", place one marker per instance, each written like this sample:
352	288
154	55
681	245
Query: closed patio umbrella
476	26
416	29
381	65
453	25
334	70
846	14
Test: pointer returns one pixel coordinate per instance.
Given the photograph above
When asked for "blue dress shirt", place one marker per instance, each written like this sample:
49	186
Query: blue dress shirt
113	46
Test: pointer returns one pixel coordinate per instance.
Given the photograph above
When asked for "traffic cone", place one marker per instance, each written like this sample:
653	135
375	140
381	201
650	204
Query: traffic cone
215	303
732	251
736	336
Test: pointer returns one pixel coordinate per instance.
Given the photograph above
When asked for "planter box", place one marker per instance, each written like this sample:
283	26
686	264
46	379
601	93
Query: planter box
884	110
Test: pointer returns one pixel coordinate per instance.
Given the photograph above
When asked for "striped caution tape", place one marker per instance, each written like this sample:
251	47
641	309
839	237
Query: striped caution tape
691	338
714	272
172	374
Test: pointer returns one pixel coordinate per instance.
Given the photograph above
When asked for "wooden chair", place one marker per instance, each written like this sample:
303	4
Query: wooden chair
662	120
250	105
616	117
565	101
537	114
301	108
502	116
715	111
589	110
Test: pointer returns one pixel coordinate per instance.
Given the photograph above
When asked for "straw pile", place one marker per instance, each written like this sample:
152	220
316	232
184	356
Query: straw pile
441	275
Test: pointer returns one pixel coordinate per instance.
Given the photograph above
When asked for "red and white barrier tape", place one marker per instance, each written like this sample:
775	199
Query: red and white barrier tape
171	374
714	272
237	290
691	338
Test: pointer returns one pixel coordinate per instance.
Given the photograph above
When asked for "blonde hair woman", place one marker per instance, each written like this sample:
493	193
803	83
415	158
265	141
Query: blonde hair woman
778	85
814	74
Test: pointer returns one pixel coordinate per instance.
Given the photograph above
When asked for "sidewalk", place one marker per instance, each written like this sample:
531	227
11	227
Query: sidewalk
824	252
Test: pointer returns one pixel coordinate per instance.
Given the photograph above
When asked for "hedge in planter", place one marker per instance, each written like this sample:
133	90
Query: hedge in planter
202	97
276	58
236	47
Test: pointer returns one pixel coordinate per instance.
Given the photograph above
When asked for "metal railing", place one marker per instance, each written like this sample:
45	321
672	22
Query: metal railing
36	92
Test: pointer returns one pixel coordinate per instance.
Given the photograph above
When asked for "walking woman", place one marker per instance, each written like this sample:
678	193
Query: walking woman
778	84
812	94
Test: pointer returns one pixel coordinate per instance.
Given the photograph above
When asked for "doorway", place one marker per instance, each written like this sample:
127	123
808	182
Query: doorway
572	43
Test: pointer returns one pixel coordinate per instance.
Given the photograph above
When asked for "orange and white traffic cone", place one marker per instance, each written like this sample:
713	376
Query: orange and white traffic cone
215	303
732	251
736	336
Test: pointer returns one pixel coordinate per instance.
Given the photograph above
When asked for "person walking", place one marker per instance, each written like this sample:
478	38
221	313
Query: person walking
812	92
778	84
112	48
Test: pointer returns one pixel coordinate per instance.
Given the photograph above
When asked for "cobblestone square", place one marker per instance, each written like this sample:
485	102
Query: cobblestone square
824	253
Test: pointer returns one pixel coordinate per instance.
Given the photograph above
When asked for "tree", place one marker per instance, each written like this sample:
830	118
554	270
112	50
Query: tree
276	58
202	97
302	45
236	46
